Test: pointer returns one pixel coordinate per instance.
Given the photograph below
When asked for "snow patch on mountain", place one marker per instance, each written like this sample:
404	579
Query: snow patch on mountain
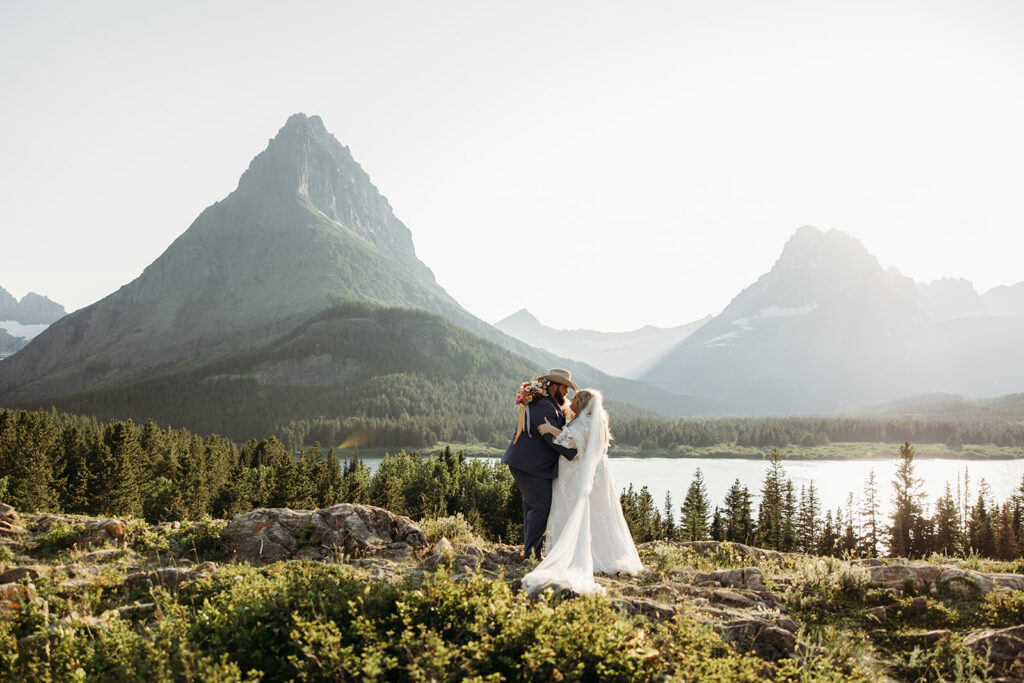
780	312
16	329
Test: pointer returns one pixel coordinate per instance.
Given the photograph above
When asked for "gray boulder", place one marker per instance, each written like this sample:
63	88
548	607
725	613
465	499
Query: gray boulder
271	534
1004	647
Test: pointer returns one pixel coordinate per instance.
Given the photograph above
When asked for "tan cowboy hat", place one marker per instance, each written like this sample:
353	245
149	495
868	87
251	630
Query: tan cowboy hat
560	376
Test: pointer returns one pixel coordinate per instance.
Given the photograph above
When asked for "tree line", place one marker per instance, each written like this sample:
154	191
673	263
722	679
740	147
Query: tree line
961	523
769	432
64	463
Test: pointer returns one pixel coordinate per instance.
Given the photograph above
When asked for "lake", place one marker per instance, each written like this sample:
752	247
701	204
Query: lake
834	479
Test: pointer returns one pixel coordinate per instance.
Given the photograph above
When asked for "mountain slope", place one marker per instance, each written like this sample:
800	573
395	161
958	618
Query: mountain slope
828	329
625	354
411	377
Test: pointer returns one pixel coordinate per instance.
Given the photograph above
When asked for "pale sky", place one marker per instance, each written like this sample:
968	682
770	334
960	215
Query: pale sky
658	154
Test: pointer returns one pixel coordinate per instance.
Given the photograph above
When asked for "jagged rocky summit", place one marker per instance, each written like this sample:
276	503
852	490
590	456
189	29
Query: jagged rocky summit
21	321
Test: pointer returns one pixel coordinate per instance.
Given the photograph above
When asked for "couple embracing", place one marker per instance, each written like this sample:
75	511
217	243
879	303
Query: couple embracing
559	460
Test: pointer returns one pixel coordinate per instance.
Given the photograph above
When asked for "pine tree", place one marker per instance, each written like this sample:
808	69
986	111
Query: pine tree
947	524
693	519
850	531
717	530
982	532
869	513
808	520
737	515
789	510
27	446
907	508
1006	546
669	520
355	480
112	488
770	510
829	539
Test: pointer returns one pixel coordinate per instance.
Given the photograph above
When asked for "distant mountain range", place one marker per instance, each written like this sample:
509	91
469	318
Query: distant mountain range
828	329
300	297
21	321
624	354
305	233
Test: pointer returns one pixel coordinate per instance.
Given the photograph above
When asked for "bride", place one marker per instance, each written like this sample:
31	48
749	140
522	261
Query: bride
586	529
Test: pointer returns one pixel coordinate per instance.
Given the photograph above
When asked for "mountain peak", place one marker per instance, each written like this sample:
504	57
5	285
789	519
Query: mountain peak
520	317
299	121
811	247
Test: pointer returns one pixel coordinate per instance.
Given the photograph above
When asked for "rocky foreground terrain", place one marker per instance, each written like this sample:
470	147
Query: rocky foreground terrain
765	615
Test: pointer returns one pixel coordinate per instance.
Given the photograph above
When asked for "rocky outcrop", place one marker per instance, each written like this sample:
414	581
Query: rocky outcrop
271	534
12	596
18	573
1004	648
102	531
10	525
770	638
170	577
936	579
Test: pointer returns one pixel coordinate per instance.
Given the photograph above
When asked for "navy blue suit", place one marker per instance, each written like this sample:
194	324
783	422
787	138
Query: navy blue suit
533	460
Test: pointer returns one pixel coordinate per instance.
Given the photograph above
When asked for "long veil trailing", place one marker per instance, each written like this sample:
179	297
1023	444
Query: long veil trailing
595	534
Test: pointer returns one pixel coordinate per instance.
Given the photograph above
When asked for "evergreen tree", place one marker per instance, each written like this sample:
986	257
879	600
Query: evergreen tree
982	532
112	488
869	513
789	510
717	530
808	527
355	480
947	538
693	518
738	514
907	507
328	480
829	539
771	508
27	449
849	543
1006	546
669	520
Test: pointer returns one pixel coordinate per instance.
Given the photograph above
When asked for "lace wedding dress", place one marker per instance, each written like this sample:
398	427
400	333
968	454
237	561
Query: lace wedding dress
586	529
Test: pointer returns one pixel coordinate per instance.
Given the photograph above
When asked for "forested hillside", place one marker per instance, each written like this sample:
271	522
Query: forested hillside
392	376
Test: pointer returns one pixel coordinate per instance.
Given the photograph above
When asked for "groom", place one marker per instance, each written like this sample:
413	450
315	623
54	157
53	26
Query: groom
533	458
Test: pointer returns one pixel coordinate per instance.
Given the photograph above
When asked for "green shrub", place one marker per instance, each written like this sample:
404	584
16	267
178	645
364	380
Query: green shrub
946	660
1002	609
202	539
455	528
59	536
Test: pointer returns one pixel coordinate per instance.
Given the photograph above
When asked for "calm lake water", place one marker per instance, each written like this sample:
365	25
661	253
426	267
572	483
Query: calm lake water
834	479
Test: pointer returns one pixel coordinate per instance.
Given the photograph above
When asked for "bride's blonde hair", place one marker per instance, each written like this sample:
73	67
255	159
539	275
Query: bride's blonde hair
585	396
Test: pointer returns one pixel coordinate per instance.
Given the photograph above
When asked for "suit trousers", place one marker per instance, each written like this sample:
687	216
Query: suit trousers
536	492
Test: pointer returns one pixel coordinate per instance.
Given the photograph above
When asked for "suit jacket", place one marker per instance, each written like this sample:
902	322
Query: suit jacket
535	453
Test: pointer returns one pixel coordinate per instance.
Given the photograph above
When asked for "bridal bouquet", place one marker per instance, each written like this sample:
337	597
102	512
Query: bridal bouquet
531	390
527	393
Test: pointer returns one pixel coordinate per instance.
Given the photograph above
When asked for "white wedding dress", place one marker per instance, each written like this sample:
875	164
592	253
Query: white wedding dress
587	531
